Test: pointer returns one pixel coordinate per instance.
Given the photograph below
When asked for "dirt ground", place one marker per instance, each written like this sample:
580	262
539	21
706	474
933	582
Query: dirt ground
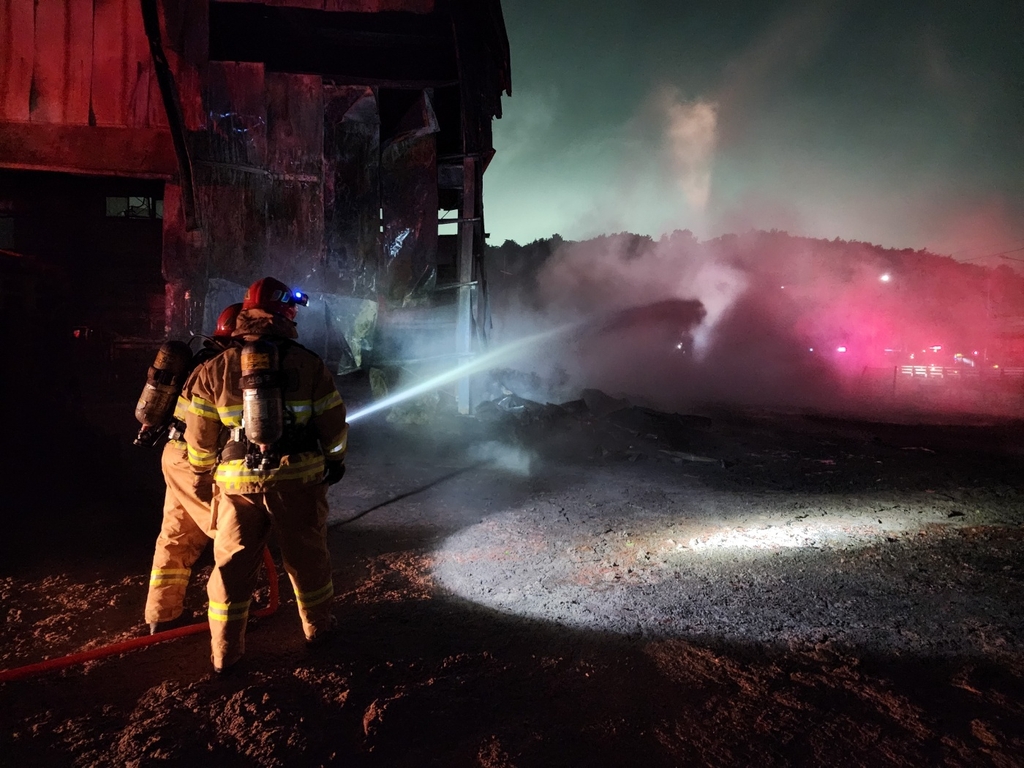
574	586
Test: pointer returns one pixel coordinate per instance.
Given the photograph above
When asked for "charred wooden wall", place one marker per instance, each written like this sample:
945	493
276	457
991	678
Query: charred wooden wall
78	90
285	164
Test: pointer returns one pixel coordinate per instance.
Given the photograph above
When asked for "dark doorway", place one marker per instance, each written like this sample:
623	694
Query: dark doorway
83	257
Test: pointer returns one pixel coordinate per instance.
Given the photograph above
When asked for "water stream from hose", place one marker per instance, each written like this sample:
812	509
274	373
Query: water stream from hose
481	363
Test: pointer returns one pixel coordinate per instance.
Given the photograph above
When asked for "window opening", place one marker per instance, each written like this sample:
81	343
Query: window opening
135	207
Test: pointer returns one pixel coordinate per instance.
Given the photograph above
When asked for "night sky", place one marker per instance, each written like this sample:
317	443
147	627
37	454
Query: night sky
896	123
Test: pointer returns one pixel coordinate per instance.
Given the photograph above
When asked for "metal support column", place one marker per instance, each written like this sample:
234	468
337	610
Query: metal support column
466	259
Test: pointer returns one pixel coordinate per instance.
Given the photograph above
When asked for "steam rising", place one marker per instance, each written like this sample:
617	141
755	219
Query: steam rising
692	137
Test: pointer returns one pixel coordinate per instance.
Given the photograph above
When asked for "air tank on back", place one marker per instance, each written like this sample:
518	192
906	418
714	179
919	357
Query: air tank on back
262	401
164	381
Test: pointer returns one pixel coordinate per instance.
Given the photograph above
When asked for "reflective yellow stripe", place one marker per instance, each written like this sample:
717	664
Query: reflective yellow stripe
204	408
168	576
232	475
325	403
339	445
231	415
180	408
228	611
168	581
203	459
302	410
322	595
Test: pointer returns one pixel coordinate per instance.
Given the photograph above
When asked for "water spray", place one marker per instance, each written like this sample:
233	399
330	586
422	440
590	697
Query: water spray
476	365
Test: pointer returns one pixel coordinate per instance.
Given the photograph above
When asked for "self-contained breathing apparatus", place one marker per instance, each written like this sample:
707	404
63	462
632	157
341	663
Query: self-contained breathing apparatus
262	404
267	432
164	381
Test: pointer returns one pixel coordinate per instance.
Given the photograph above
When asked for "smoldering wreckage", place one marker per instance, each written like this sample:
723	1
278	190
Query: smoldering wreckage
600	579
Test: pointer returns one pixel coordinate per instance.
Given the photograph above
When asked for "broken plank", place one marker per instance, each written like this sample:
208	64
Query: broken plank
48	68
79	62
108	71
235	105
138	67
17	52
295	124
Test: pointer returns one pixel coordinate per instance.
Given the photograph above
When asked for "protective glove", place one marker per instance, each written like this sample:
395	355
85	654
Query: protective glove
203	486
335	470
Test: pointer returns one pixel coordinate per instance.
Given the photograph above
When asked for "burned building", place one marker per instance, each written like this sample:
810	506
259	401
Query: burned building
162	154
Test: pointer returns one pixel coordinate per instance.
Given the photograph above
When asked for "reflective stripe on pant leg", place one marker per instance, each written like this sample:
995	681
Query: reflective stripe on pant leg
242	530
300	521
180	543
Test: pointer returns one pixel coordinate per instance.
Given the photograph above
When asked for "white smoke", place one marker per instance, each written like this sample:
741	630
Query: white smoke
611	274
692	136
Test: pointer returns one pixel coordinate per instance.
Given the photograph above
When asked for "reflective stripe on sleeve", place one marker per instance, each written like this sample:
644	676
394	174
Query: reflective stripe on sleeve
165	577
228	611
302	410
311	599
230	415
325	403
204	408
201	459
338	446
181	408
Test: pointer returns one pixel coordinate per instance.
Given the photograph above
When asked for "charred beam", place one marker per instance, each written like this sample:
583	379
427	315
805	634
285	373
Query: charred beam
359	48
97	150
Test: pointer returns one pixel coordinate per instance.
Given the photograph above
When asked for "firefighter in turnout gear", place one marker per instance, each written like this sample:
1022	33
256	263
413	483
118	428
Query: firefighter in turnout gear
287	436
185	529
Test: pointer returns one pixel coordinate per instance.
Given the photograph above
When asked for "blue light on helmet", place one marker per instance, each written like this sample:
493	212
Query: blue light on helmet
300	298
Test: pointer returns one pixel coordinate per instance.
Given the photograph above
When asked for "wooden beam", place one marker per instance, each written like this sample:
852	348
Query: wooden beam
105	151
374	6
353	48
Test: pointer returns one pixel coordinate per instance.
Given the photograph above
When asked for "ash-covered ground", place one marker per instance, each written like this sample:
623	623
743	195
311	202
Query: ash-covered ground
584	585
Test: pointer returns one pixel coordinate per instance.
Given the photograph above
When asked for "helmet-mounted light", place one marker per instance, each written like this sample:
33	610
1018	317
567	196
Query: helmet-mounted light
300	298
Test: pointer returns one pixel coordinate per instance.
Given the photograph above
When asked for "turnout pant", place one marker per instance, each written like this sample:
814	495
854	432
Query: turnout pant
184	533
297	513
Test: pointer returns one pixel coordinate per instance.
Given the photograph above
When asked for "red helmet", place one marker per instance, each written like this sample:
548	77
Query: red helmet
271	295
226	322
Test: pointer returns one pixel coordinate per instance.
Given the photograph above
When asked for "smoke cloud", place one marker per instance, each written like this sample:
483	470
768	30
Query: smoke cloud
762	319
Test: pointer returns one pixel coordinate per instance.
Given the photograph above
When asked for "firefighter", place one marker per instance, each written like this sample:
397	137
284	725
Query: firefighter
185	529
285	420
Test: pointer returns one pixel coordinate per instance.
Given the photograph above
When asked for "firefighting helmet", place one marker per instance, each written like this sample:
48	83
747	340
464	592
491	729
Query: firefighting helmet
271	295
226	321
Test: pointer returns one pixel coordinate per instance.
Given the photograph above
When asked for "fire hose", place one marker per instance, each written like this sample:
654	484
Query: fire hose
61	662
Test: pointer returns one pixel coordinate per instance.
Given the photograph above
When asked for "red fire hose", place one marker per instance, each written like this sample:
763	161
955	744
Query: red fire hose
138	642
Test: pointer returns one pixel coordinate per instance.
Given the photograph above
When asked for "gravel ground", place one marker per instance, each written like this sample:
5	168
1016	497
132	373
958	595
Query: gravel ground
555	587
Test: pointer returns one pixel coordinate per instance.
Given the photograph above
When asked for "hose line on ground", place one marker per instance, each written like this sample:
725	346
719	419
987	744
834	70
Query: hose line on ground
61	662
